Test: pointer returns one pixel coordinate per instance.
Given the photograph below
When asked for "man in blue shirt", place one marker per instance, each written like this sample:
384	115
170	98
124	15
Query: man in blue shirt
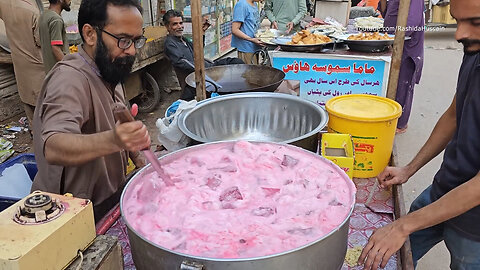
246	20
448	210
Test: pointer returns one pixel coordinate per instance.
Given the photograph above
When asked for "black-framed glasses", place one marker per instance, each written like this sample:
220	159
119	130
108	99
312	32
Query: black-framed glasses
125	43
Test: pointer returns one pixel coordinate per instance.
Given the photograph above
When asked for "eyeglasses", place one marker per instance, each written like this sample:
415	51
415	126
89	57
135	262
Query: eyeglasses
125	43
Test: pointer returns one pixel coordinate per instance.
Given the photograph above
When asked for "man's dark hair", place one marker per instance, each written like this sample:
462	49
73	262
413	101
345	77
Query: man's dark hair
94	12
172	13
53	2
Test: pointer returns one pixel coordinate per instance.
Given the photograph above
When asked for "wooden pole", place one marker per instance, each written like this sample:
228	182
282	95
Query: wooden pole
398	44
198	49
399	203
405	254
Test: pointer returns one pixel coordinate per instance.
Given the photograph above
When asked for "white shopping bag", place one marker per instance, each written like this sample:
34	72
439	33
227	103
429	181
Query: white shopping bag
170	136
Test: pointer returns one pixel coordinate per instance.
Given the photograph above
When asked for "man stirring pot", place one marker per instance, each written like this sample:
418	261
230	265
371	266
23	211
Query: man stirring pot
79	147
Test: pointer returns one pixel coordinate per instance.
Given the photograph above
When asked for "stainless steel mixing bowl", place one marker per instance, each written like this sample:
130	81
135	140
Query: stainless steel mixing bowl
269	117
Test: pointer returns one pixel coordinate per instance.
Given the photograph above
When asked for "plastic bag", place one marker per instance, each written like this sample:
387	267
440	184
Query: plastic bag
170	136
5	149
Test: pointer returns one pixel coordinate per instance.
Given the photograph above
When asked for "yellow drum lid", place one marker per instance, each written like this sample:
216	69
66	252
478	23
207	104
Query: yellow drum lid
362	107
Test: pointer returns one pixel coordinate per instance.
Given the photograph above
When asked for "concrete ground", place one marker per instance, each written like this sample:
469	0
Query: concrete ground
443	56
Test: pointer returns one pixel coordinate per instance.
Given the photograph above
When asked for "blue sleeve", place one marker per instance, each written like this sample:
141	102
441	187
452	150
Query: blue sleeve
240	12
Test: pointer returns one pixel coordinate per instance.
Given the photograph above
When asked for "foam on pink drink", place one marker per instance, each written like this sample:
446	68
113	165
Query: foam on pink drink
241	201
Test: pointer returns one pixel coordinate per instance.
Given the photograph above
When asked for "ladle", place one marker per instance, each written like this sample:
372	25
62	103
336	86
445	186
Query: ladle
207	78
123	115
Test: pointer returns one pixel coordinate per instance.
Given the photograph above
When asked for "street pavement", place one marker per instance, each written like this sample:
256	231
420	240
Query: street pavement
443	56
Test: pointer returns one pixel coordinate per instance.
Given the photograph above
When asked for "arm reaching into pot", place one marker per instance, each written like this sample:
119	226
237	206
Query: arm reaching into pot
72	149
436	143
387	240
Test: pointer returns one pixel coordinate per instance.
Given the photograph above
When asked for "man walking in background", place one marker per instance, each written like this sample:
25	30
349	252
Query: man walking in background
52	33
21	21
412	57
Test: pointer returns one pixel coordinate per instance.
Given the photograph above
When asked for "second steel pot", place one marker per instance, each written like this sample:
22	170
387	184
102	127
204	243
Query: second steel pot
268	117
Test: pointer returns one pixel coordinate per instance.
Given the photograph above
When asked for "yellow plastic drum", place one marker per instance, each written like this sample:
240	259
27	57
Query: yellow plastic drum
372	122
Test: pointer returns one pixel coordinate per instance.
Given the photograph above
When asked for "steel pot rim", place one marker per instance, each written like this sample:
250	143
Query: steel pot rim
182	118
190	77
337	228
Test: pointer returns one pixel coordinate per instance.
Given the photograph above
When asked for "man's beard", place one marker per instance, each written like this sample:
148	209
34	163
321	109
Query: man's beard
179	33
65	6
176	33
467	43
114	71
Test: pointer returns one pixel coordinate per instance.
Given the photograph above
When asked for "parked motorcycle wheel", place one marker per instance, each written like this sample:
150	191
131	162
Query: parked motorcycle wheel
148	100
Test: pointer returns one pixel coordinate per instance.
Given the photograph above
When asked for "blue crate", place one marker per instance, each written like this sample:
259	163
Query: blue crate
28	160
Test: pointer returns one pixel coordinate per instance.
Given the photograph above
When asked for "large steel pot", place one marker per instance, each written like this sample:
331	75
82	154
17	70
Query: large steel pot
270	117
242	78
326	253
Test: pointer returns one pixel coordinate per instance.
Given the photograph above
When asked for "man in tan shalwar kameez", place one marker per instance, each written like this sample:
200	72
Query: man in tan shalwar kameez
21	17
79	146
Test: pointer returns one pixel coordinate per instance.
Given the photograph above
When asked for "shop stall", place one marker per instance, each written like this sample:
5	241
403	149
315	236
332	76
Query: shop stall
321	76
330	59
220	13
438	12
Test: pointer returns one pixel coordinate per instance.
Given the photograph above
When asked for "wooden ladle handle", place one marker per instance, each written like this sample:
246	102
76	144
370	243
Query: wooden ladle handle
122	113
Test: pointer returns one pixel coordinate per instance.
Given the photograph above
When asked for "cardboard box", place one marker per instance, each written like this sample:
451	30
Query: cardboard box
339	149
441	14
337	9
